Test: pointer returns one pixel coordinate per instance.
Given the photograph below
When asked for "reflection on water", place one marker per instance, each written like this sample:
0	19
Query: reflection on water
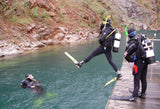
67	87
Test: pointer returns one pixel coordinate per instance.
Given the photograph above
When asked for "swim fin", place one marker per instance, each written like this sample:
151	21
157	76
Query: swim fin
72	58
112	80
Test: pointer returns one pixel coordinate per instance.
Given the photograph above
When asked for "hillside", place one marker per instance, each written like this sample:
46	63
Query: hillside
31	24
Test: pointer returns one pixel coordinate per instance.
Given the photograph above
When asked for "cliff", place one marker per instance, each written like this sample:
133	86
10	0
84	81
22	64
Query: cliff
31	24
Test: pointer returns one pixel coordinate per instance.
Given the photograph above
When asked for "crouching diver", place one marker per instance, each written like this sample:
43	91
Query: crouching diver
107	34
30	83
134	53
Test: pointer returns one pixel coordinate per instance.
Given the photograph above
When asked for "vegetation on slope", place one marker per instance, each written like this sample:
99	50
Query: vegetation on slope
23	22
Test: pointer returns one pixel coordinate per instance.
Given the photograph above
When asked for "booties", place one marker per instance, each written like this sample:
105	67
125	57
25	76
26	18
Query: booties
79	64
118	75
142	95
134	99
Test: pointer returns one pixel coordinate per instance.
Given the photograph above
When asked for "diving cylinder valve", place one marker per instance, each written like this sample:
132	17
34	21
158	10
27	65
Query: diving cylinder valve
116	43
150	56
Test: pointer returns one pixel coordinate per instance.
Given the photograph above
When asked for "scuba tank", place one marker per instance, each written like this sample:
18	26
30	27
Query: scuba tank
149	52
116	43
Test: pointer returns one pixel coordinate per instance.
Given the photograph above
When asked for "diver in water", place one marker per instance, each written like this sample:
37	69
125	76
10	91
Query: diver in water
30	83
107	34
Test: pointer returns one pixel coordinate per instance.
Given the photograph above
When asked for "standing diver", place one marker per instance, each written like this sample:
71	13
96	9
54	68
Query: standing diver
105	47
134	52
30	83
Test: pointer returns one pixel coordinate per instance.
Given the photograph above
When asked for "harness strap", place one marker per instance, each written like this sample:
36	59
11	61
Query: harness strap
130	46
110	34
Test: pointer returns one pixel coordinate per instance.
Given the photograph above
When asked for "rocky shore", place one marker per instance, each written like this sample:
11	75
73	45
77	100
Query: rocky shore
27	25
41	38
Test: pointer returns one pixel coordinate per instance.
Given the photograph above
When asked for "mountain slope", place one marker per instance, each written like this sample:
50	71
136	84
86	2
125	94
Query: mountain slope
31	24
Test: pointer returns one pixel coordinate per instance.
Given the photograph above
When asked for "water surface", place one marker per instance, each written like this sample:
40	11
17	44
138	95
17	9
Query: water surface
67	86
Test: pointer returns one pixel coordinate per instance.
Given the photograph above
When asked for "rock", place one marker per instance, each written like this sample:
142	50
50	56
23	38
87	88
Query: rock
63	11
68	37
15	51
37	44
52	14
75	38
37	36
2	55
86	17
44	34
93	35
63	29
145	27
31	27
40	3
24	44
59	36
48	42
41	29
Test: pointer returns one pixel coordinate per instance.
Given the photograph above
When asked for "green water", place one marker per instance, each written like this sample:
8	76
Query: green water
67	87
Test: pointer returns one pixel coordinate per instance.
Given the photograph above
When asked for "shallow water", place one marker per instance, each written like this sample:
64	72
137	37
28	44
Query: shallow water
67	87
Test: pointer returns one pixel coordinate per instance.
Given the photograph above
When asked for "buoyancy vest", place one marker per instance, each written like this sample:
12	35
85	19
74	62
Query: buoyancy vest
105	40
140	48
27	83
130	50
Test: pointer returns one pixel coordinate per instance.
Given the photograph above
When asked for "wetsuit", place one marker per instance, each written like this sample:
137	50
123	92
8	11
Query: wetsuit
140	76
27	83
105	47
139	68
34	85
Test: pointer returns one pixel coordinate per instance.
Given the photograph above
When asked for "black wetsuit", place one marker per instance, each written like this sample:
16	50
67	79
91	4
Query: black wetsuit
139	68
27	83
140	76
105	47
34	85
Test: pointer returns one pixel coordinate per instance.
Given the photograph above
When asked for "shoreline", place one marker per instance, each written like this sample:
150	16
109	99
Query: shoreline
42	49
24	44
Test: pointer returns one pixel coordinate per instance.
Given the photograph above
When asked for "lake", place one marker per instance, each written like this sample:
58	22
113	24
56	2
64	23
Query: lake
67	87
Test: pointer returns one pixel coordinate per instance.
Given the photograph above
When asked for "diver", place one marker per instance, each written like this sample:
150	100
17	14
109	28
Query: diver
133	53
30	83
105	47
